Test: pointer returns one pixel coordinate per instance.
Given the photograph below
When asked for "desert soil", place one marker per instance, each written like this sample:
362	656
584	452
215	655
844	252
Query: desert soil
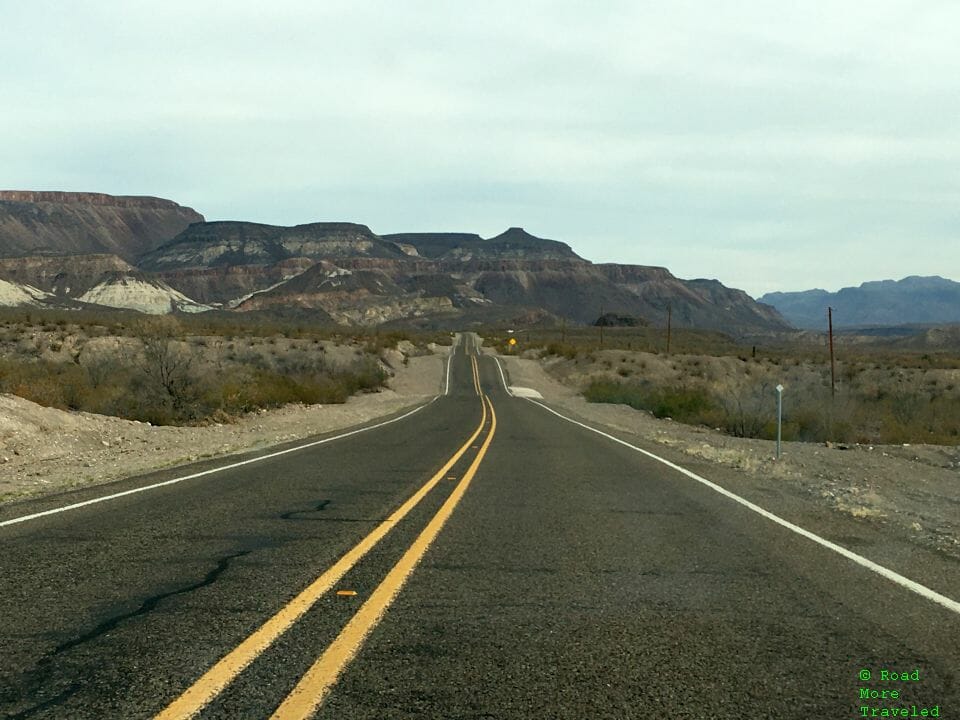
44	450
909	491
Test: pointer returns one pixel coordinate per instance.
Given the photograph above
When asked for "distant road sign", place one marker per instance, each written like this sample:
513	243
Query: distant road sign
513	341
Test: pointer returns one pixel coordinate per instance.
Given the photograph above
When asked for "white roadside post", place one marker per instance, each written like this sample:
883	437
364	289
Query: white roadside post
779	416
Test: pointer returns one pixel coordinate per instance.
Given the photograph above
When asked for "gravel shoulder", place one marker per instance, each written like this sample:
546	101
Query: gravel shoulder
45	451
899	496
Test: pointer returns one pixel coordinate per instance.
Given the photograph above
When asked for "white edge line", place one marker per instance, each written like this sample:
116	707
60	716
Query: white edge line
449	362
94	501
504	379
906	582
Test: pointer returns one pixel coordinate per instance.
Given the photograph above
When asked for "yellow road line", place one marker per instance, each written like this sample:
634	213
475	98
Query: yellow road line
310	692
216	679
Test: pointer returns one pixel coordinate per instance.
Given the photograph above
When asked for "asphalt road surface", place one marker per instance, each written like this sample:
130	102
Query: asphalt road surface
481	557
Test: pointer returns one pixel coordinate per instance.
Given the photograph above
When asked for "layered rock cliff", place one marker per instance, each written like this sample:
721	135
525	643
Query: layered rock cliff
153	255
63	276
219	244
361	297
63	223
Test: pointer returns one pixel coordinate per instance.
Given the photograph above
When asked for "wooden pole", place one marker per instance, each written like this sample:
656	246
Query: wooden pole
669	326
833	372
600	321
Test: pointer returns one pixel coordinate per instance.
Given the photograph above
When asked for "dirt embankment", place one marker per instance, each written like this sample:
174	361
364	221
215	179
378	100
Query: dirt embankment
911	490
43	450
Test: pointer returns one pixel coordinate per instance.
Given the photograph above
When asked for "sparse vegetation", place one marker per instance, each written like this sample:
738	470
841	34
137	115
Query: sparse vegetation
885	394
180	370
678	403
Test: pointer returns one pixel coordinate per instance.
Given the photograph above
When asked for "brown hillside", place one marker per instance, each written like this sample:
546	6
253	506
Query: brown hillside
63	223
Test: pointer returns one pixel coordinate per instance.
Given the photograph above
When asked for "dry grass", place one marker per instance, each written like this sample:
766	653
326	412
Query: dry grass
882	395
186	371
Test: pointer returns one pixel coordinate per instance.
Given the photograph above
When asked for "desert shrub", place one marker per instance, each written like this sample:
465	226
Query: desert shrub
297	380
810	415
387	340
685	404
167	372
302	364
802	425
362	375
43	382
749	410
561	350
159	378
252	358
904	406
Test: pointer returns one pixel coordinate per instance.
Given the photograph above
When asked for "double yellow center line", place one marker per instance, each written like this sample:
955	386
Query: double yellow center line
316	684
476	375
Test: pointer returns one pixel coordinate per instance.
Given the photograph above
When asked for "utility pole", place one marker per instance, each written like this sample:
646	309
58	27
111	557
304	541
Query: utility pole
833	372
600	322
669	325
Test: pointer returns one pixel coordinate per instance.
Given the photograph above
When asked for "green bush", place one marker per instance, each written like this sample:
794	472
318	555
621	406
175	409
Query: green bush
685	404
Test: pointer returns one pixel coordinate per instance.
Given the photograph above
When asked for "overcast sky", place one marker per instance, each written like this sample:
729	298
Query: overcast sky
773	145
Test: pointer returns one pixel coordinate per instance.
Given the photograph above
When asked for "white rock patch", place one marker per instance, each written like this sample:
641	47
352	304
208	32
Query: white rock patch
153	298
12	293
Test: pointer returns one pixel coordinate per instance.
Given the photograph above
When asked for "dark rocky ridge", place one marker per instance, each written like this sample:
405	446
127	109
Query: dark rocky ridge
62	223
217	244
433	245
515	243
912	300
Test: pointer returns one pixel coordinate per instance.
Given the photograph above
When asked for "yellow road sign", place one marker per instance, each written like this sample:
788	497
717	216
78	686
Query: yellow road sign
513	341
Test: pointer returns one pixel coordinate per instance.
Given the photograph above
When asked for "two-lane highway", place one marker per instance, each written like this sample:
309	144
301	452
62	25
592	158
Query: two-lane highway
479	558
111	609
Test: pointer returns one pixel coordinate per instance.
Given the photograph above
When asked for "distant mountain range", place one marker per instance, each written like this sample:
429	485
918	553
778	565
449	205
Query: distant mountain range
913	300
153	255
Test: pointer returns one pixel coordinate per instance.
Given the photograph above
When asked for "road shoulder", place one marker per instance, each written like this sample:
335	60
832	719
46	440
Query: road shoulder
890	500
